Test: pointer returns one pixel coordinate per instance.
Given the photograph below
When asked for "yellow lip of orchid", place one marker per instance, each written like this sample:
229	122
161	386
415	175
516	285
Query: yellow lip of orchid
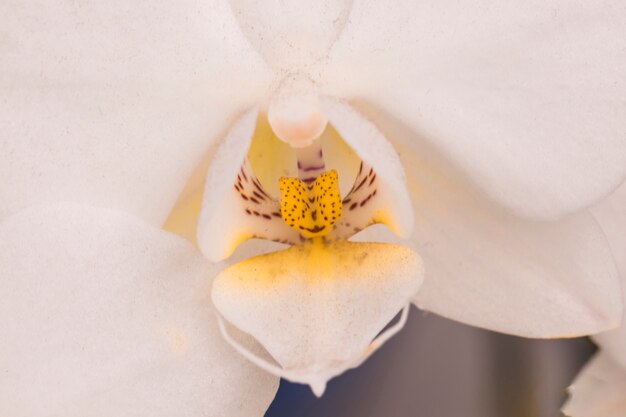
318	306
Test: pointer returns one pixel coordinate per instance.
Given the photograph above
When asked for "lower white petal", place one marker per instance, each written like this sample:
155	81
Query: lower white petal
103	315
315	308
490	268
599	390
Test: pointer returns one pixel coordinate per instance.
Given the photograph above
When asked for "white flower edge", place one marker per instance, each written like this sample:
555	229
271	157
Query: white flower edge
600	389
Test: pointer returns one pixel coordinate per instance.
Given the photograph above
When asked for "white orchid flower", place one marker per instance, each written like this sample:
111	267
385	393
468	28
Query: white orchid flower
509	121
600	389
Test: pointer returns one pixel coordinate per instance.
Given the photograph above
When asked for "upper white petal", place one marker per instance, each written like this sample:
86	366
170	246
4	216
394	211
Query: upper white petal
600	390
114	103
103	315
490	268
526	97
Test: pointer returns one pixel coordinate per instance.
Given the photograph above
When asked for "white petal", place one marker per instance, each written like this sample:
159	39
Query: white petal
489	268
611	214
317	309
114	104
292	35
392	202
103	315
527	98
224	222
598	391
220	228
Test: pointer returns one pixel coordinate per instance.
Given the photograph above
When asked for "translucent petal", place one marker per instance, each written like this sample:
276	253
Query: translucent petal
526	98
611	214
317	308
292	35
114	104
489	268
103	315
598	391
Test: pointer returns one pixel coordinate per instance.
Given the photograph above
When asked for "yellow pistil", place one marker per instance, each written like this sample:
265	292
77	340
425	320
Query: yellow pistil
311	209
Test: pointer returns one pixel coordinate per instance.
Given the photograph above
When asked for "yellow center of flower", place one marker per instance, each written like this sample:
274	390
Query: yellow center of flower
313	208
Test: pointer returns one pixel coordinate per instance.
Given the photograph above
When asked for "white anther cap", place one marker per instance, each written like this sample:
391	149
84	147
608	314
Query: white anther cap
294	113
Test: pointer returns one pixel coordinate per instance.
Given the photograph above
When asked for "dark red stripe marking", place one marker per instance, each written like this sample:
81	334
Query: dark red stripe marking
360	184
311	168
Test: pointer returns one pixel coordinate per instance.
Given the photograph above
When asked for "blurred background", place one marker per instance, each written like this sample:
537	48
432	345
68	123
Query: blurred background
439	368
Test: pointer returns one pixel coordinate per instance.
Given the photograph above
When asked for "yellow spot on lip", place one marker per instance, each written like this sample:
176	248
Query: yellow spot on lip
177	340
311	209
